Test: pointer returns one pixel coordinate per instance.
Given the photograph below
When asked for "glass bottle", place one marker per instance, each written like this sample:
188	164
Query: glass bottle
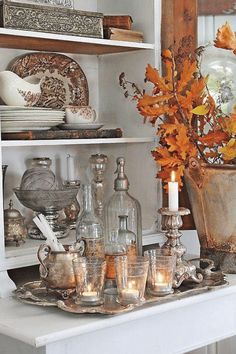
126	236
122	203
115	247
89	227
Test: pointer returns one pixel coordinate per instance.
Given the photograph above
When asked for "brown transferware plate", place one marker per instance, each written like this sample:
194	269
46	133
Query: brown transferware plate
64	81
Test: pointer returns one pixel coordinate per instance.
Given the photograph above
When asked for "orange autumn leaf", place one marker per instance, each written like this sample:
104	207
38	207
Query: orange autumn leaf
167	128
164	158
157	111
183	141
154	77
166	54
229	150
189	68
229	124
147	100
172	143
169	67
213	138
226	38
197	88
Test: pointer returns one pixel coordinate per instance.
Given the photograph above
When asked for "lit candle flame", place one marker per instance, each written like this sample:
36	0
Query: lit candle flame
160	278
172	176
89	288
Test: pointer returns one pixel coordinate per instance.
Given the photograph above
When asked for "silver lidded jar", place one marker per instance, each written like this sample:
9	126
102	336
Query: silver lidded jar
122	203
14	228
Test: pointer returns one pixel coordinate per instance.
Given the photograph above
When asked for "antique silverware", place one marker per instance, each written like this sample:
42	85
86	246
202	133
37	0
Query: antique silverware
49	203
98	163
14	227
185	270
56	268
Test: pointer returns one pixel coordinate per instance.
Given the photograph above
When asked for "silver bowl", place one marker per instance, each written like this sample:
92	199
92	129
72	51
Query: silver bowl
49	203
46	200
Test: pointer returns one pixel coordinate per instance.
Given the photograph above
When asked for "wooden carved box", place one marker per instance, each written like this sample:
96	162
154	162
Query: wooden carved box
23	16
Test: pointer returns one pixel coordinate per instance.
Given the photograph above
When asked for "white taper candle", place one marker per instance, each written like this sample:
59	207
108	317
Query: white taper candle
70	168
173	193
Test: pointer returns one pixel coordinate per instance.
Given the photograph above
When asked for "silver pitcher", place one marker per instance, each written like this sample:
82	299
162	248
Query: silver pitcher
56	268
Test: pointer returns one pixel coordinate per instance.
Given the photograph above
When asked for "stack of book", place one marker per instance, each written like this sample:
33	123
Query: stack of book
118	27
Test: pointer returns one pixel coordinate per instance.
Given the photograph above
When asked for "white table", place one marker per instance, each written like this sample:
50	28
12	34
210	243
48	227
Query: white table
175	327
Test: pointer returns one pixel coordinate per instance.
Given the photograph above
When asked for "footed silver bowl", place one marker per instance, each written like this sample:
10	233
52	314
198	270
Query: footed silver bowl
49	203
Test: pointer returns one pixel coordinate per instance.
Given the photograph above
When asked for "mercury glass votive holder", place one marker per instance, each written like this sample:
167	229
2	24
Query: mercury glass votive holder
90	277
161	271
131	276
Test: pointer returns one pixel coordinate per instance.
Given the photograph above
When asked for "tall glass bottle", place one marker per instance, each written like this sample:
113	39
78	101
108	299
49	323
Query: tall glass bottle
89	227
122	203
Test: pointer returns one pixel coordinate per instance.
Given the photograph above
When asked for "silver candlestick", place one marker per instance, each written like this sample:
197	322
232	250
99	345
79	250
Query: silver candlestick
171	222
98	164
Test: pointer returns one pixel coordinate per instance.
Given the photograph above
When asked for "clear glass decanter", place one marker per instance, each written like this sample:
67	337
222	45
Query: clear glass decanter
89	227
122	203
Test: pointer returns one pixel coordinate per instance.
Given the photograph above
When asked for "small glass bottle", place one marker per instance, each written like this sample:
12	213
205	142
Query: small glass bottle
89	227
115	247
126	236
121	203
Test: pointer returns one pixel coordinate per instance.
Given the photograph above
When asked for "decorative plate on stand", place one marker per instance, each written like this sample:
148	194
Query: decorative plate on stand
65	82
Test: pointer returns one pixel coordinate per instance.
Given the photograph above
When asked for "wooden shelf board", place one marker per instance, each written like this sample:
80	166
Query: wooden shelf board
10	143
18	39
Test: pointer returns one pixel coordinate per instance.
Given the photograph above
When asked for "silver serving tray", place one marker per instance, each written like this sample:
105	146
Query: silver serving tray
35	293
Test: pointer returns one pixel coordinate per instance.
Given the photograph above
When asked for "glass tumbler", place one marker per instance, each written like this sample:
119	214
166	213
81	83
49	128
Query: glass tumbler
89	276
161	271
131	276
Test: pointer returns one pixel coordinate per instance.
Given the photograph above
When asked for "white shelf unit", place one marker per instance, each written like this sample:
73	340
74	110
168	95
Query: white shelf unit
102	61
19	143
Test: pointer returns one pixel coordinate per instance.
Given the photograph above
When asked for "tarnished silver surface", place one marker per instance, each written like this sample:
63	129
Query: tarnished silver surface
36	293
51	19
56	268
184	291
66	3
48	202
98	163
185	270
14	227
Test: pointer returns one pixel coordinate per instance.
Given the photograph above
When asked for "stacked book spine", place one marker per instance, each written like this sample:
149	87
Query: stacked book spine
118	27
